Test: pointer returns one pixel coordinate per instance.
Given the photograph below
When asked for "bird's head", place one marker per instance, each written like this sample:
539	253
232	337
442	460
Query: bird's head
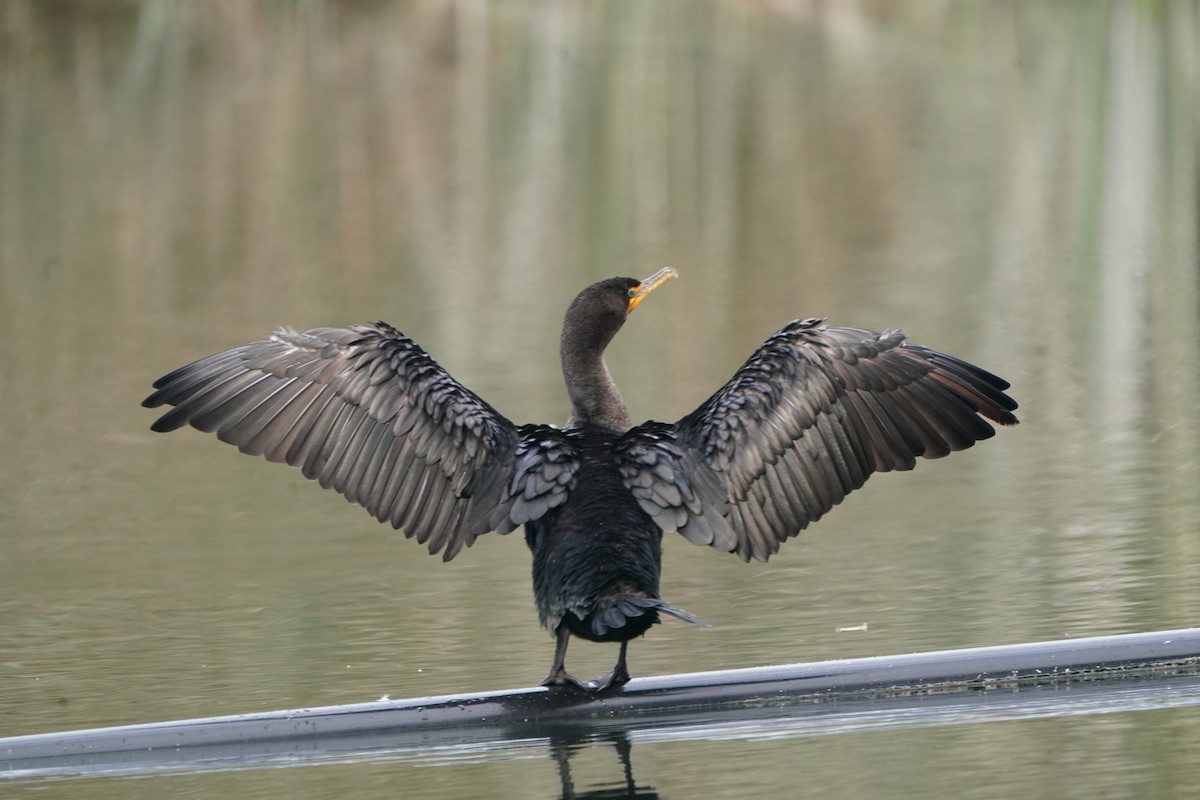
592	320
600	310
637	291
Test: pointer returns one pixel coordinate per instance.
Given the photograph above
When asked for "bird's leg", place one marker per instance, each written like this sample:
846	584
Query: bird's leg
558	672
617	676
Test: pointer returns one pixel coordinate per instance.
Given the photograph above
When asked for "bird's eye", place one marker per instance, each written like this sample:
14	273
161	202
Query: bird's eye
632	292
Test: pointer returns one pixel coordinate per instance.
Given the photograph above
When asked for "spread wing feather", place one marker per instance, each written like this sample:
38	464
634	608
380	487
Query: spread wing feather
365	411
804	422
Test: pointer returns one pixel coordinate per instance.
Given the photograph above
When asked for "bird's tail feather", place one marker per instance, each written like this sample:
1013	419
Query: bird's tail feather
628	606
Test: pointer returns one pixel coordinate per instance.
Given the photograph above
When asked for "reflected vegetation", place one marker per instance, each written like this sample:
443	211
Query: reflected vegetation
1012	182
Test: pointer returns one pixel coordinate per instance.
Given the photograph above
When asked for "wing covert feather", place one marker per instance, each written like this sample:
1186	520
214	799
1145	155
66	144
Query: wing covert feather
365	411
804	422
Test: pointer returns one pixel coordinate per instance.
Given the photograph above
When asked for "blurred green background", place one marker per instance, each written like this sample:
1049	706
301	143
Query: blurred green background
1014	183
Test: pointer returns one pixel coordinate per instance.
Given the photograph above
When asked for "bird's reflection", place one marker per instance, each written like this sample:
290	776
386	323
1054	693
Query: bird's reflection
563	747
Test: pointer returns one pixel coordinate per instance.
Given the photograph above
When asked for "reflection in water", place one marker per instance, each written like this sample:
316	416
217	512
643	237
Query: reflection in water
561	749
573	728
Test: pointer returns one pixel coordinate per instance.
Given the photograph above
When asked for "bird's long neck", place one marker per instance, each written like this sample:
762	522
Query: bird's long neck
595	399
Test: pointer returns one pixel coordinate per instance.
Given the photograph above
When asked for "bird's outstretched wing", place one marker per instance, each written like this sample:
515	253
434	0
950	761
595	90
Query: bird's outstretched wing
803	423
365	411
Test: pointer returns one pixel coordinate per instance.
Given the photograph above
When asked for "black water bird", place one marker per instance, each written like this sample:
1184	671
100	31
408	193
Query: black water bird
806	420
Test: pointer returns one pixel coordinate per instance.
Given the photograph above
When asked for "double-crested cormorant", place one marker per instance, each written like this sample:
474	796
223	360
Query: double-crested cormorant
364	410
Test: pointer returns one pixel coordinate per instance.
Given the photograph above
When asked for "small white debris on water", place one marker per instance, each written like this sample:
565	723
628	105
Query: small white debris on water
385	698
862	626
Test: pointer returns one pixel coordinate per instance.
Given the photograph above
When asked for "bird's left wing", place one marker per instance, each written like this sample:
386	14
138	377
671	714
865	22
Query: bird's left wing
805	421
366	411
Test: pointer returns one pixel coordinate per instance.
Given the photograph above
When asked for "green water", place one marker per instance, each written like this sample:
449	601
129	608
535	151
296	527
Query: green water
1014	183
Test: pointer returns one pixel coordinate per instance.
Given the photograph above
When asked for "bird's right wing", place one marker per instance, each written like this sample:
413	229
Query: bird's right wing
805	421
365	411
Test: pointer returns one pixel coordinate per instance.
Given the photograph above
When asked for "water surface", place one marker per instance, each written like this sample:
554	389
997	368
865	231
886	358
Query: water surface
1012	183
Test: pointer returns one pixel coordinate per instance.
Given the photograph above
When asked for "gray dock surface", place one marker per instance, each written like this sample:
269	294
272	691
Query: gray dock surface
978	676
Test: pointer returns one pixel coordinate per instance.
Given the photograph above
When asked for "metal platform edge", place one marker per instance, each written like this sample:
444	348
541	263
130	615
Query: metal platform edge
528	711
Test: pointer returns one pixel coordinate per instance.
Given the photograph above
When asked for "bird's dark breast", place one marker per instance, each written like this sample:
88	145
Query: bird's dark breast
596	548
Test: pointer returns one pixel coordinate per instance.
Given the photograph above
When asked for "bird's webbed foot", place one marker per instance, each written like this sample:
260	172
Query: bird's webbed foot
560	677
616	677
558	672
612	679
